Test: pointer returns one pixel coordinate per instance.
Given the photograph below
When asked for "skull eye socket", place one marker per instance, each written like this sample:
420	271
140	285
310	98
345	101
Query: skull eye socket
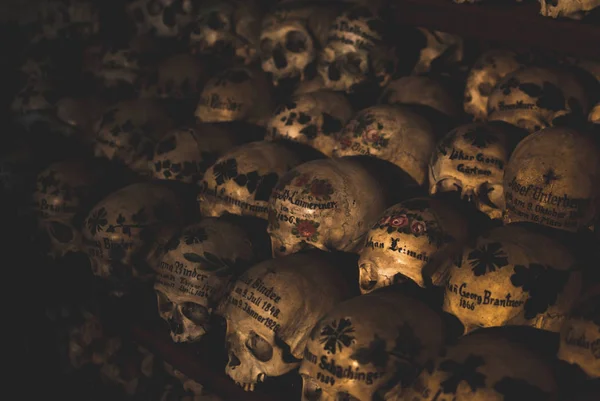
312	392
154	7
196	313
266	46
260	348
61	232
164	304
353	63
296	41
345	397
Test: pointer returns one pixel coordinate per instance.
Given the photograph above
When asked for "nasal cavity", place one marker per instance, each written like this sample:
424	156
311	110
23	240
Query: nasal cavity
279	59
334	72
234	361
175	326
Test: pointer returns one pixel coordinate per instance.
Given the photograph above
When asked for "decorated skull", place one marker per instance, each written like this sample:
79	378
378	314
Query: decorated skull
241	180
162	18
184	154
574	9
311	118
368	345
484	365
580	334
181	76
236	94
326	204
512	276
128	131
270	311
470	160
533	98
551	179
441	50
411	240
227	28
488	69
392	133
195	273
292	34
123	233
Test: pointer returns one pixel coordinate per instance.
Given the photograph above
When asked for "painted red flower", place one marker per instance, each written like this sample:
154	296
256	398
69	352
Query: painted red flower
306	229
418	227
384	221
302	180
345	142
399	221
371	135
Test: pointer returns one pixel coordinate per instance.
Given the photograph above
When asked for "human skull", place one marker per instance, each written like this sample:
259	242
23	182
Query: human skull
114	68
184	154
551	179
574	9
227	28
594	116
270	311
80	112
292	34
312	119
236	94
484	366
392	133
533	98
181	76
327	204
420	91
128	131
310	85
512	276
195	272
367	345
580	334
470	160
489	68
241	180
411	240
441	48
162	18
123	233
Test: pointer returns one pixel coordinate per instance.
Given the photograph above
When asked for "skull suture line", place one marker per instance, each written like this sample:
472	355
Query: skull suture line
178	77
410	241
357	51
574	9
123	233
470	159
368	346
270	311
327	204
311	118
391	133
241	181
163	18
552	179
195	273
512	276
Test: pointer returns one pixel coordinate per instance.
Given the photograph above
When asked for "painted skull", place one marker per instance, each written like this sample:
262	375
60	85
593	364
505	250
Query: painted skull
484	366
368	345
392	133
489	68
533	98
574	9
162	18
236	94
312	119
326	204
580	334
441	50
470	160
128	131
241	180
195	273
123	233
184	154
178	77
270	311
512	276
551	179
292	34
410	240
227	28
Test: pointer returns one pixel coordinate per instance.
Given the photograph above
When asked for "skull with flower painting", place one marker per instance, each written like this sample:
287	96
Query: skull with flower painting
369	346
410	241
195	272
512	276
271	310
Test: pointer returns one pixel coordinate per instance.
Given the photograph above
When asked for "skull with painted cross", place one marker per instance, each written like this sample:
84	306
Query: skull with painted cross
195	272
484	366
124	234
512	275
410	240
180	76
241	180
392	133
574	9
271	310
326	204
162	18
470	160
312	118
551	179
368	345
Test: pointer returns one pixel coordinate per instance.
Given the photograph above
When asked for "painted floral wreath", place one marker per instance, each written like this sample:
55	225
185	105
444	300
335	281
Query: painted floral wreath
413	223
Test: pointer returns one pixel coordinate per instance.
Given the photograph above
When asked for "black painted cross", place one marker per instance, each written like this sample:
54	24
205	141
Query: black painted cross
550	176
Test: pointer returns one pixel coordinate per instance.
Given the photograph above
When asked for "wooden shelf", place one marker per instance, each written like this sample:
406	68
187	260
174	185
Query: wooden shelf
511	23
